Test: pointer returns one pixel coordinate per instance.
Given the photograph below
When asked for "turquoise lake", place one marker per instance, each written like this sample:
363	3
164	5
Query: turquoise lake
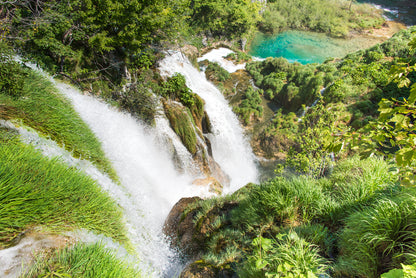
305	47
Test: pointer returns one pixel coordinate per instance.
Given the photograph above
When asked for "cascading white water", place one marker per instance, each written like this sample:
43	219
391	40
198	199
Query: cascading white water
146	171
229	145
150	184
217	56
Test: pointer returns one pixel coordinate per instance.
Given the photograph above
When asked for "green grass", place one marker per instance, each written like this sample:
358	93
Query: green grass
45	110
379	238
83	261
37	191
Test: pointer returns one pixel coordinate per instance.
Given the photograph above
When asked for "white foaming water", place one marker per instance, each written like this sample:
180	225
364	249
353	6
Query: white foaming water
144	214
229	145
146	171
217	55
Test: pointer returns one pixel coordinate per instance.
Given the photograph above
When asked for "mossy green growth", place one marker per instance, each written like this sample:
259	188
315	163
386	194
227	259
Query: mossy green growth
45	110
82	260
38	191
181	122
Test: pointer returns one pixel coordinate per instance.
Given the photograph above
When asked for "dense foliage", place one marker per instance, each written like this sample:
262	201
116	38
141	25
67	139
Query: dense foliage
327	98
357	222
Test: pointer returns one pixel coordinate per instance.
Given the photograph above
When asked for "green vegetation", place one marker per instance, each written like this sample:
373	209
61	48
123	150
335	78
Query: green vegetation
303	226
334	17
348	91
81	260
42	108
216	73
181	122
11	73
37	191
250	106
231	18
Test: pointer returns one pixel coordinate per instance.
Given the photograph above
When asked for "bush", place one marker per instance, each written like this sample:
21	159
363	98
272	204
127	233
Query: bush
379	238
12	74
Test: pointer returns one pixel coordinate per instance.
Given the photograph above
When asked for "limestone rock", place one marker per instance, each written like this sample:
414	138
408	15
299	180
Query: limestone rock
180	228
212	183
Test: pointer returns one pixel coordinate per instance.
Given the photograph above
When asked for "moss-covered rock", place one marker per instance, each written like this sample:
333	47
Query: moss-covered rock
181	122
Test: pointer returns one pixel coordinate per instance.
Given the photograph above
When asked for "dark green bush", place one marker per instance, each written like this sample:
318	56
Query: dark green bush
12	74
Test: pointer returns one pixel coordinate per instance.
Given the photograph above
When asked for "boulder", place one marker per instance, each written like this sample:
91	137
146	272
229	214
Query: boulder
179	227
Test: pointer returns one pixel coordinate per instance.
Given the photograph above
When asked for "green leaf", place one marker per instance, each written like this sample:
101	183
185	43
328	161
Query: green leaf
394	273
260	263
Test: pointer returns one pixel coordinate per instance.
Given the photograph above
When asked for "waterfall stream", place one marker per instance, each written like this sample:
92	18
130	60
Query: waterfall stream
150	182
229	145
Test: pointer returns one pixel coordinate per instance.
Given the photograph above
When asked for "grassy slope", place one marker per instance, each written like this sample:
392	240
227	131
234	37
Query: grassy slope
83	261
38	191
45	110
357	216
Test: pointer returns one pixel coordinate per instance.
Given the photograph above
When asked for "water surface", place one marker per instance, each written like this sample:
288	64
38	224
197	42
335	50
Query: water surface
306	47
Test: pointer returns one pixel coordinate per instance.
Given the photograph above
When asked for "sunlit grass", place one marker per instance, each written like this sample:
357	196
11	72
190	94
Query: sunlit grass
45	110
81	260
37	191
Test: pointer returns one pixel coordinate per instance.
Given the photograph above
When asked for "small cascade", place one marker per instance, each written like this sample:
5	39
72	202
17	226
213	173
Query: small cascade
218	56
230	148
146	171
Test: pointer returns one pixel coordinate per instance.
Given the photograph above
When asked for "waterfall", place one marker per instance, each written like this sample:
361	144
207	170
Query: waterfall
230	148
146	171
149	182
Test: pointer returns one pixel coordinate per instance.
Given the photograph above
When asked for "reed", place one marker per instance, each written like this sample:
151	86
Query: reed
82	260
42	108
37	191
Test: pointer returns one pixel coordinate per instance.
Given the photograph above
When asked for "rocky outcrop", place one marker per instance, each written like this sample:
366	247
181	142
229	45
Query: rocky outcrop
191	226
191	125
179	227
201	269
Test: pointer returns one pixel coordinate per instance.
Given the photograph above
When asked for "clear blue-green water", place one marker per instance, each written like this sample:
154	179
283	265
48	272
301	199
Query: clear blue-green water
302	47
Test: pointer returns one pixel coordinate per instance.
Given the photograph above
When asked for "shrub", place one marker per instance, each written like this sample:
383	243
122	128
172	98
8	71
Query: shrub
379	238
286	256
12	74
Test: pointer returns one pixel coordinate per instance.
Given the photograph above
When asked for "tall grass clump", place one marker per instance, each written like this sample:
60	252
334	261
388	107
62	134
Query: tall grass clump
280	201
82	260
379	238
37	191
45	110
356	183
